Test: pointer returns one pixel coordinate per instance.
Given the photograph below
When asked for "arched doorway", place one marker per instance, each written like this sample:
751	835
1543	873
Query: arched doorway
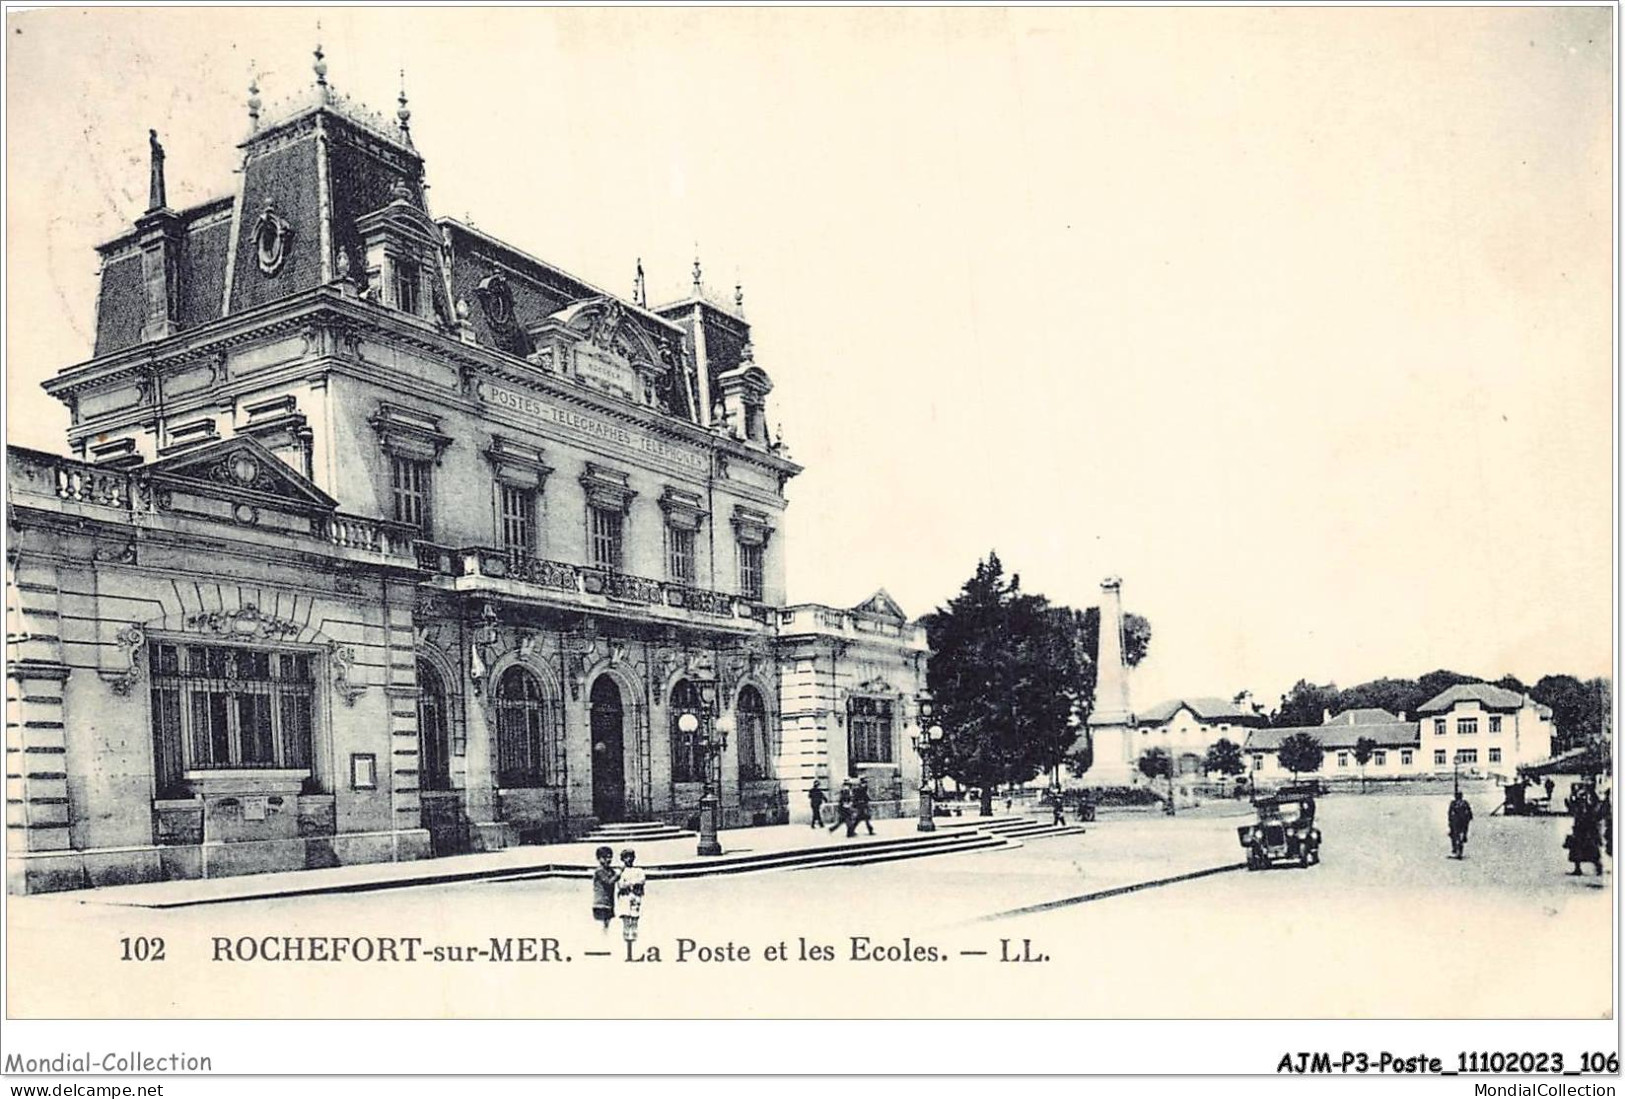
434	740
608	751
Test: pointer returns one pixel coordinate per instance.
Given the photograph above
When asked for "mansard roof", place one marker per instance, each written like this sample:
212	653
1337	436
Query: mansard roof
205	242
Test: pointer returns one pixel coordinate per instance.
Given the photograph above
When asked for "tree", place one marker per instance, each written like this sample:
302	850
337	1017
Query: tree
1006	677
1437	682
1084	627
1157	763
1224	756
1363	749
1579	709
1306	704
1300	753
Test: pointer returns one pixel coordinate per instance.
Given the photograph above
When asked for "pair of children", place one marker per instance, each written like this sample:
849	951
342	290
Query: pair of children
625	885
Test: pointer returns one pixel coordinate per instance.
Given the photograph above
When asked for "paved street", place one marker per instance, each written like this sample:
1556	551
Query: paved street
1387	926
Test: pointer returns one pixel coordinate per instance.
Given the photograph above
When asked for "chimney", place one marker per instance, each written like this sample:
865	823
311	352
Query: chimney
1402	716
159	232
1325	717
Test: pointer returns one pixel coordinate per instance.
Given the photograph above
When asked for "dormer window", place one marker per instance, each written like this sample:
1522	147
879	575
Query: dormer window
407	281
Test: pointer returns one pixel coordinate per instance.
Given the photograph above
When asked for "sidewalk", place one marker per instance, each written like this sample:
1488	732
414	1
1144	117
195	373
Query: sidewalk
743	848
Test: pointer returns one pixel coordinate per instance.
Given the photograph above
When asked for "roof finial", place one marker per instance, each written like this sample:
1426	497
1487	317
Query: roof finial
320	65
739	298
404	114
155	192
697	287
640	292
253	97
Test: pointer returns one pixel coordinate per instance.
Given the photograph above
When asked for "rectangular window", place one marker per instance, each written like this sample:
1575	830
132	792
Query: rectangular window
606	538
1405	758
218	707
869	722
1440	758
1466	755
750	571
1467	726
1438	726
406	286
680	554
1495	725
1379	758
1258	763
409	481
363	771
1342	759
518	519
1495	755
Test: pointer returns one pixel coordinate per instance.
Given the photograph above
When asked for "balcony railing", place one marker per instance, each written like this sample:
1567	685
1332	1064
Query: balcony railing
377	535
35	473
562	576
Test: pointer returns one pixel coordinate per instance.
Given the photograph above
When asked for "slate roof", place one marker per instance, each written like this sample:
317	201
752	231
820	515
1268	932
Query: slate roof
1397	734
201	267
1205	709
1487	695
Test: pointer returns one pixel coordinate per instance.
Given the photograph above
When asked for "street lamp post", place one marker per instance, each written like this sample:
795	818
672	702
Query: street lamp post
926	737
713	740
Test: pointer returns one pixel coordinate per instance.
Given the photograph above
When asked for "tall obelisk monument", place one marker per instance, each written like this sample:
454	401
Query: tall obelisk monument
1111	722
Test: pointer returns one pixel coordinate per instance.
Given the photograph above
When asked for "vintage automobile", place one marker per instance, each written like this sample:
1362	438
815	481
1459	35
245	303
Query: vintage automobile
1284	832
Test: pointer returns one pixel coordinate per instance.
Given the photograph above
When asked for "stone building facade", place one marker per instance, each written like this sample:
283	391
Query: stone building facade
382	538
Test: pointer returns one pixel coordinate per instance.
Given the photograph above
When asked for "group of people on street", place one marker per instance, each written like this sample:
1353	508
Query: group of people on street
851	807
621	887
1593	829
1591	834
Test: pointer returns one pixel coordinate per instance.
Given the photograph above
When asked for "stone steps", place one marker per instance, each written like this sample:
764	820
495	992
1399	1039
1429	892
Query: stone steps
846	854
635	832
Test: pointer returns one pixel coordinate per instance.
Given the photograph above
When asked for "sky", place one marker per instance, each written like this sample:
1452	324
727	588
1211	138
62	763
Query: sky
1298	320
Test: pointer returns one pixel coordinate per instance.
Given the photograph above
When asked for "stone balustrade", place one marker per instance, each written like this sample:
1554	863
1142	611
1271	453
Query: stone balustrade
562	576
37	477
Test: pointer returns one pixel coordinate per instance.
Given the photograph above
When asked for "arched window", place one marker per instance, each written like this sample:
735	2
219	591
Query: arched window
685	747
524	731
755	753
433	739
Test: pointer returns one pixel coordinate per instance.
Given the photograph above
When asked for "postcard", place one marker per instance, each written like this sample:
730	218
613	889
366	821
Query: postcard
812	514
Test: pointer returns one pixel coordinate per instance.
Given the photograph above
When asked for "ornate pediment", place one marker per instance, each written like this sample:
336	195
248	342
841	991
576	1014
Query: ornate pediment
882	605
241	470
610	350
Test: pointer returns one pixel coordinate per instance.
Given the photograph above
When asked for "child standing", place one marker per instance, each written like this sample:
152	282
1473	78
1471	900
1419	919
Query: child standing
630	891
603	888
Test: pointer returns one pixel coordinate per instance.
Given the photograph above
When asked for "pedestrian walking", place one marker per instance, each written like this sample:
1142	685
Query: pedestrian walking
1605	816
1057	806
629	889
843	807
815	797
860	810
1460	815
1584	839
603	887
